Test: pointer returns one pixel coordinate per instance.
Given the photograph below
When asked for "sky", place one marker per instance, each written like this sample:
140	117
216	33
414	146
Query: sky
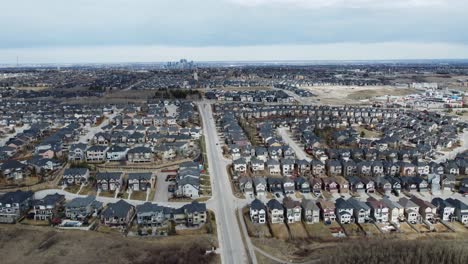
80	31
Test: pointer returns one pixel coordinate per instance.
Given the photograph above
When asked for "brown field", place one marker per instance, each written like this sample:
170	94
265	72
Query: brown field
47	245
107	194
297	231
368	133
441	228
280	231
256	230
404	227
138	196
352	230
459	228
318	231
370	229
36	89
336	95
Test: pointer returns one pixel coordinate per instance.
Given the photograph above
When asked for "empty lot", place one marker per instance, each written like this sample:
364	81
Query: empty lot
48	245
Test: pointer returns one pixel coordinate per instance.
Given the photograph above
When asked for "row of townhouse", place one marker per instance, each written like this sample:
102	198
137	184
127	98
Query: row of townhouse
15	205
434	183
347	167
139	154
413	210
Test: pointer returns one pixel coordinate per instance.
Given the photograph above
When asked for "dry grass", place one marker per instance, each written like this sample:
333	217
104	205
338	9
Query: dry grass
280	231
138	195
297	231
368	133
441	228
107	194
299	195
353	230
338	95
88	190
261	259
72	188
404	227
370	229
255	230
318	231
459	228
41	245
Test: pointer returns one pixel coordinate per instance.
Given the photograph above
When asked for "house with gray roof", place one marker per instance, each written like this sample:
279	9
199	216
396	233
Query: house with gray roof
120	213
81	208
140	181
13	205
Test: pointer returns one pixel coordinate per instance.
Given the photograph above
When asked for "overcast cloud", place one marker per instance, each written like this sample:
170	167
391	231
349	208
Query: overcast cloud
231	24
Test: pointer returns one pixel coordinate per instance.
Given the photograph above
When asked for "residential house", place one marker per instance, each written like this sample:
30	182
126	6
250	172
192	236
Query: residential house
152	215
293	210
258	212
120	213
72	176
96	154
116	153
411	210
195	213
13	205
396	210
260	185
445	210
310	211
427	210
81	208
344	211
246	186
361	211
140	181
327	211
109	181
461	210
275	211
140	155
289	186
47	207
77	152
378	210
14	170
302	185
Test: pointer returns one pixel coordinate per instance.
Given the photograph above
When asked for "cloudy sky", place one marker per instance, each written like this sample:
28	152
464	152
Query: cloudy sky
221	30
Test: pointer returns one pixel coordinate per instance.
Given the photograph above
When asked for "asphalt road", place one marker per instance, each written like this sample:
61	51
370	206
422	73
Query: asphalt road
223	202
300	153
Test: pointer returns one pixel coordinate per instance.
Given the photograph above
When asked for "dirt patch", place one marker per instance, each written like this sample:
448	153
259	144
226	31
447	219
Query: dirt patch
338	95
